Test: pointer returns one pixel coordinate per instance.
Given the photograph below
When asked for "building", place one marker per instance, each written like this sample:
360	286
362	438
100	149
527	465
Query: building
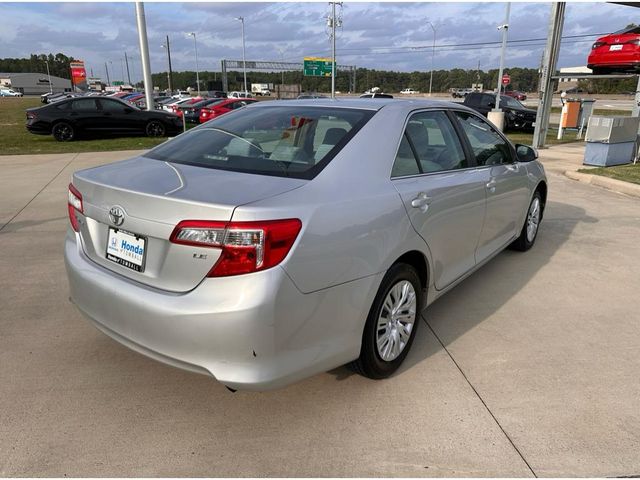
566	81
34	83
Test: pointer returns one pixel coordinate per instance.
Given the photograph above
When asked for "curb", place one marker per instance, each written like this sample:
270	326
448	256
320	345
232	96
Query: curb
605	182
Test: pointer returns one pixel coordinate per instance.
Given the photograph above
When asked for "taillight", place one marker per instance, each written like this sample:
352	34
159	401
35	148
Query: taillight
598	44
246	246
74	203
635	41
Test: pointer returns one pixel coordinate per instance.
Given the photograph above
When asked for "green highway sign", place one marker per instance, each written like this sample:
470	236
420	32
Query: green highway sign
117	83
317	67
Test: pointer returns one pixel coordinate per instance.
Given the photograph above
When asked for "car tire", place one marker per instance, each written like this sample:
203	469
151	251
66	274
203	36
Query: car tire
529	231
383	349
155	128
63	132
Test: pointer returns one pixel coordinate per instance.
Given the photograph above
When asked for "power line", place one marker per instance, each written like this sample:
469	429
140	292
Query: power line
460	46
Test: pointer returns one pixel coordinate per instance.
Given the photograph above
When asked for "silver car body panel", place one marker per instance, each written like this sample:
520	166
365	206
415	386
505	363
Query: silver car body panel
270	328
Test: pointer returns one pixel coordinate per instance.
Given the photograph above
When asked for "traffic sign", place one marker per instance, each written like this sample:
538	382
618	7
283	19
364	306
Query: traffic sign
317	67
506	79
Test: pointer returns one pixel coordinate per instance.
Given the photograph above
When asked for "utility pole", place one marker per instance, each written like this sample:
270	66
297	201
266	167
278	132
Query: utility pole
433	56
170	73
107	70
497	115
333	23
126	60
144	55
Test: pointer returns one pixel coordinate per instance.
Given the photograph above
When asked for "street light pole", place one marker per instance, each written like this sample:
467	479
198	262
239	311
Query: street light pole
433	56
107	70
244	62
49	77
505	31
195	45
497	115
144	55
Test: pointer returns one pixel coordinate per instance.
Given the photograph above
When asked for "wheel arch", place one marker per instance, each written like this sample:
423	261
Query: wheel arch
418	261
542	188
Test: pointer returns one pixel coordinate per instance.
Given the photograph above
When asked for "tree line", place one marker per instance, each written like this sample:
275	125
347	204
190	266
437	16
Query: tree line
59	64
524	79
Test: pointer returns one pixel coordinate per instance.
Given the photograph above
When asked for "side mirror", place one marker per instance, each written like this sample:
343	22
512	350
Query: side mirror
526	153
492	105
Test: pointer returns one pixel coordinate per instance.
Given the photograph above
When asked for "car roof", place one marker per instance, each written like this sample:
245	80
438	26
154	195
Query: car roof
365	103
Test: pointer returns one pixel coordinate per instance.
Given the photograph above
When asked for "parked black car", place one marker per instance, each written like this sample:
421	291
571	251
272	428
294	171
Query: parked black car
67	119
516	115
192	112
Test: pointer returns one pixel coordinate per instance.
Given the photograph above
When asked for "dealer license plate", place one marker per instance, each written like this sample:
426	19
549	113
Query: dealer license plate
613	48
126	249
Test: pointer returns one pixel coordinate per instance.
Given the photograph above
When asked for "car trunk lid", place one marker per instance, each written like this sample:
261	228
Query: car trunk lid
152	197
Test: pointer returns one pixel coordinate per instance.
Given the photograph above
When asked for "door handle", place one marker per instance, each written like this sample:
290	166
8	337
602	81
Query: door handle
512	168
491	186
422	202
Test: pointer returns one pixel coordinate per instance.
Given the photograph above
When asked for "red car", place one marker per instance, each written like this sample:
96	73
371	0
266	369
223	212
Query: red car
177	108
616	52
217	109
516	94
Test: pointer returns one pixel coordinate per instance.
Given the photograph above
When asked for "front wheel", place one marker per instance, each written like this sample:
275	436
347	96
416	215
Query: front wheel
391	324
155	128
529	230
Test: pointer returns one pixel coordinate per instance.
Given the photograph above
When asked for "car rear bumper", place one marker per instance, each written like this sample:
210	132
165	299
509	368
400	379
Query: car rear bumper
255	331
39	129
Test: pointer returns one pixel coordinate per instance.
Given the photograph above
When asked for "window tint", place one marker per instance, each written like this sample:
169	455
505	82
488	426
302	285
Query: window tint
435	142
405	163
85	105
488	147
284	141
487	101
112	106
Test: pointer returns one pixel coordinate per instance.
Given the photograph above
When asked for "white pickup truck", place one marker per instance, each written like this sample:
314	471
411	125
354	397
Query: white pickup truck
409	91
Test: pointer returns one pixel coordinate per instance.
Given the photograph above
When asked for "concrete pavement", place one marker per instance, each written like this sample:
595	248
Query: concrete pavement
529	367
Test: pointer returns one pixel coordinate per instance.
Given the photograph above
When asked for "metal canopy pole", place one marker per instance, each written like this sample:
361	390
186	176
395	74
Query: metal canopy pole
551	52
144	54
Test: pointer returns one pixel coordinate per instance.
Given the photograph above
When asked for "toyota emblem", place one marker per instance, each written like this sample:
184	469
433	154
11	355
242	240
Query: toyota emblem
116	215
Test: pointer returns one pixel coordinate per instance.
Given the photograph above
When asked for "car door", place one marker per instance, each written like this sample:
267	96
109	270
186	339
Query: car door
118	117
85	115
443	194
506	185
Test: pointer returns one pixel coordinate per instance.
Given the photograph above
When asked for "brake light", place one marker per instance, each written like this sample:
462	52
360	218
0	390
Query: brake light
598	44
246	246
635	41
74	203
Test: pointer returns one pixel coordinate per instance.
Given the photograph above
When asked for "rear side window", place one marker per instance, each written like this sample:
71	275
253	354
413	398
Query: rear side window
432	142
85	105
488	146
281	140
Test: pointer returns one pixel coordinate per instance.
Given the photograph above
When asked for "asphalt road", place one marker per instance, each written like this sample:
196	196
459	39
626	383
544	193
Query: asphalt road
529	367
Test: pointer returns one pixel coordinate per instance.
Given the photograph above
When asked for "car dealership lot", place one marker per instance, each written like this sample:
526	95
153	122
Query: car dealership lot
529	366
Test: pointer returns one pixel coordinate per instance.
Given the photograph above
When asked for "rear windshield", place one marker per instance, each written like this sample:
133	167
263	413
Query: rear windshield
634	29
284	141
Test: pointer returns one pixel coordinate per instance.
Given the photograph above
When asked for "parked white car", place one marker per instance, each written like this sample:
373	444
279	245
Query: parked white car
409	91
239	95
7	92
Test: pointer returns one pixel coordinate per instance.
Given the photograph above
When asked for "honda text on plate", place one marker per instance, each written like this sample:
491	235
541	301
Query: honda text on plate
288	238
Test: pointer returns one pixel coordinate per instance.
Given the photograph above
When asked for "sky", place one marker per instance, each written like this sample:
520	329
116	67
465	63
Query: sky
387	36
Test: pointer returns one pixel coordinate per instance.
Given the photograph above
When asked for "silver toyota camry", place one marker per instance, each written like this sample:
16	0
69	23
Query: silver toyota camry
288	238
